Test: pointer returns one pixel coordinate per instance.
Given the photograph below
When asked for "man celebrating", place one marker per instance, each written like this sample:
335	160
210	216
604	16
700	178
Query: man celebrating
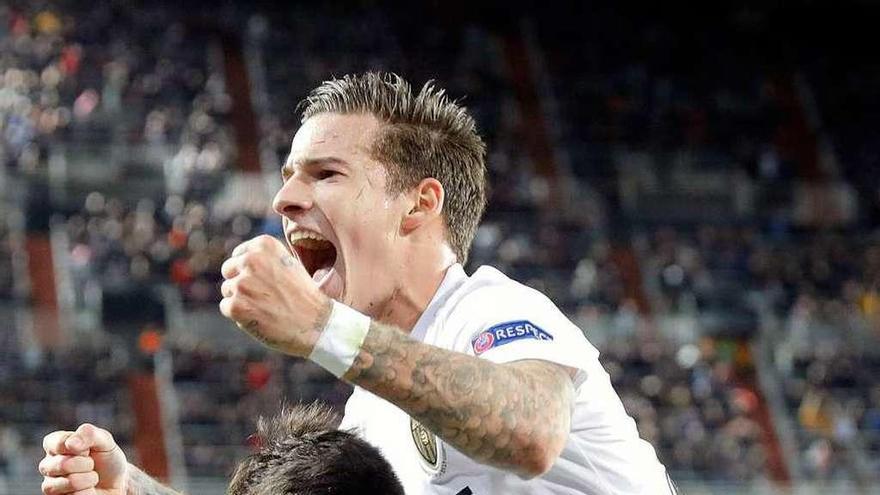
467	384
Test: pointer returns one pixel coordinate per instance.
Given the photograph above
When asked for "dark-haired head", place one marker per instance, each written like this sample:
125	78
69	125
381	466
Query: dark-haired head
301	452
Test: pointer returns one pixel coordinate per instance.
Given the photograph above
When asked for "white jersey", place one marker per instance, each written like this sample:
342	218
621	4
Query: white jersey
493	317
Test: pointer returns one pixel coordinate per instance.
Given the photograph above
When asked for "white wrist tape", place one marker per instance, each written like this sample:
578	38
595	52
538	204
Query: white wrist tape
341	340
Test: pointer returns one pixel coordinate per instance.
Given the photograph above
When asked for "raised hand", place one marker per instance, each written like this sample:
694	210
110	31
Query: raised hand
83	462
270	295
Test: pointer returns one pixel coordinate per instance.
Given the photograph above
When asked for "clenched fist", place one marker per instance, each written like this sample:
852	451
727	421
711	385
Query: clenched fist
269	294
83	462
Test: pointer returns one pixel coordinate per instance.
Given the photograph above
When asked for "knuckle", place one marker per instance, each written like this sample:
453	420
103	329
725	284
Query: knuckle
43	466
243	280
52	486
239	250
255	260
238	309
86	429
52	466
60	466
246	260
54	441
228	267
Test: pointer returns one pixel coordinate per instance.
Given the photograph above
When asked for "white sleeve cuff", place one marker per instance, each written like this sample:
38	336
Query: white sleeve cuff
341	340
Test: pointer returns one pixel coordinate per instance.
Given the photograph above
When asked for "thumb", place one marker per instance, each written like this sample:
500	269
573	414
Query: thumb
110	463
89	438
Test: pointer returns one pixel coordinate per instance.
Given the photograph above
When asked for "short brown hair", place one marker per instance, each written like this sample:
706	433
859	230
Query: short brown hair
302	452
425	135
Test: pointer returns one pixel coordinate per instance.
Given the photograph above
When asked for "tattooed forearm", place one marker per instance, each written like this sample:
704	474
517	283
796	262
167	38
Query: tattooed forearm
139	483
515	416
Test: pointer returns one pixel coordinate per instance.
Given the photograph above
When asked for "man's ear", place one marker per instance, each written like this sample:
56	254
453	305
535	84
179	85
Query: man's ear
426	205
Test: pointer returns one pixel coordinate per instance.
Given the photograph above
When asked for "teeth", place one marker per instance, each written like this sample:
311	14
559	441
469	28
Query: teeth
306	239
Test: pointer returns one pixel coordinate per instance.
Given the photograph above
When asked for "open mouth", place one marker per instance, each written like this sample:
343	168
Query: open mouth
315	252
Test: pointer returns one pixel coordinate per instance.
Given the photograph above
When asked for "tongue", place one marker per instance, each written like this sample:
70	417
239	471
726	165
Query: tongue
328	281
320	273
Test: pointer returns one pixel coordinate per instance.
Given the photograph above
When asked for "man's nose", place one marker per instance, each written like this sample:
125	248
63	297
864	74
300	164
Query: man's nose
293	197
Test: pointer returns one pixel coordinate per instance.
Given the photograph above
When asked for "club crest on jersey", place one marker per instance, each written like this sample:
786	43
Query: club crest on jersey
505	333
429	448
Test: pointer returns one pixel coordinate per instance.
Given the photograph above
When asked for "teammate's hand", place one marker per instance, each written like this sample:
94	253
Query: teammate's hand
83	462
270	295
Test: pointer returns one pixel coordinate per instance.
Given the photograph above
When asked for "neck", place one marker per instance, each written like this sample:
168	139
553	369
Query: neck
413	293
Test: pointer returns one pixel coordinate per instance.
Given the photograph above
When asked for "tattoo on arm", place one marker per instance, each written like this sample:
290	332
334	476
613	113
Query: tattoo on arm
139	483
252	328
502	415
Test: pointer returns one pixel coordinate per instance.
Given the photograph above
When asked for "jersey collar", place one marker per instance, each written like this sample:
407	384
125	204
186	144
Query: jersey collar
454	278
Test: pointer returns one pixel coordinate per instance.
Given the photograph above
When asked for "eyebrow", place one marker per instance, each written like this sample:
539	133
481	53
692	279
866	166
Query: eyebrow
312	162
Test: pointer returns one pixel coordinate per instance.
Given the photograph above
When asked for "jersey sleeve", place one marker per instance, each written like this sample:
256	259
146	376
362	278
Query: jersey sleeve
515	323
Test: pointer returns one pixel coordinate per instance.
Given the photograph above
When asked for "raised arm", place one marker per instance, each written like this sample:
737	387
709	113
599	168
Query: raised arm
513	416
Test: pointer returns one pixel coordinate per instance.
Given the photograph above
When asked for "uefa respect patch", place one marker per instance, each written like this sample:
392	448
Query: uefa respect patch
506	333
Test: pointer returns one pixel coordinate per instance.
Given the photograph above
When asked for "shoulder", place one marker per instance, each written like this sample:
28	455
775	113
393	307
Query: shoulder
494	292
493	311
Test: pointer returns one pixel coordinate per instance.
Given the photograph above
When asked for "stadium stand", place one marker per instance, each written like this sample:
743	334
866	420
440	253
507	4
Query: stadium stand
666	201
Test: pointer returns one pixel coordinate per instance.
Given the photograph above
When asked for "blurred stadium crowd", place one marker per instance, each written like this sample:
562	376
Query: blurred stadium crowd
710	226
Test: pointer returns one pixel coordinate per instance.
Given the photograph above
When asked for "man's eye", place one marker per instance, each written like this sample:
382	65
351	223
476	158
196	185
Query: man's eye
326	174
